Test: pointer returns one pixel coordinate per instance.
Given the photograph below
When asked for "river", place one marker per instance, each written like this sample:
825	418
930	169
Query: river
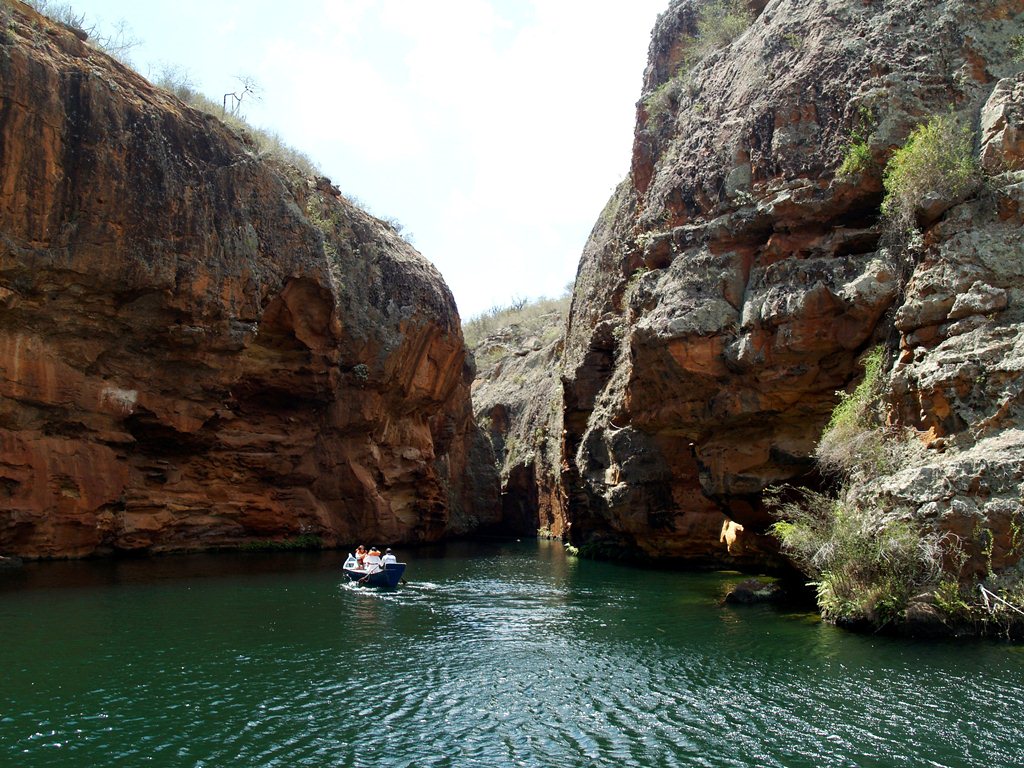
491	655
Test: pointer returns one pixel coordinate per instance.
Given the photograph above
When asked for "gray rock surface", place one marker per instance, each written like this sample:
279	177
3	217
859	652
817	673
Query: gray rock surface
734	278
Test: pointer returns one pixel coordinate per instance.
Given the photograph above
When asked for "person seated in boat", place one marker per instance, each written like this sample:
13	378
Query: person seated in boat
360	555
372	560
389	557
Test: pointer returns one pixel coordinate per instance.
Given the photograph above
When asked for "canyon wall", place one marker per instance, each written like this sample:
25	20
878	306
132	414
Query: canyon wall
735	278
517	398
200	347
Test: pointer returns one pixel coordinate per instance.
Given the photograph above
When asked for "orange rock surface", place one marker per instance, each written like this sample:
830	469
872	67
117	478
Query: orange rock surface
199	347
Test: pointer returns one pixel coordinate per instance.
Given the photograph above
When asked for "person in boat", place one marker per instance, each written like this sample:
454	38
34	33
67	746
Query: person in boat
371	563
360	555
389	557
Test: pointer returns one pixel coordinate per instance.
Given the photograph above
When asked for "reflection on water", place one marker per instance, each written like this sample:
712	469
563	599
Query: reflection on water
495	654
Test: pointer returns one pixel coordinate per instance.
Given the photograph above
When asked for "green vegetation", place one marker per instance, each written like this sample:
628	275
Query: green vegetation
719	22
1017	48
857	159
793	41
866	560
490	357
665	98
951	600
866	563
852	409
936	160
1000	605
997	605
295	543
856	444
601	549
636	277
541	317
327	219
611	208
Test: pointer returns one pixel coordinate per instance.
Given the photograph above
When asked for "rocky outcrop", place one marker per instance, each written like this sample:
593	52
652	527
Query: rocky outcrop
198	346
517	398
958	380
735	277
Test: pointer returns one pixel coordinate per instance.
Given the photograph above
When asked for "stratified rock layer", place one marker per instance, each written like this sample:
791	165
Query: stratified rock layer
199	347
734	279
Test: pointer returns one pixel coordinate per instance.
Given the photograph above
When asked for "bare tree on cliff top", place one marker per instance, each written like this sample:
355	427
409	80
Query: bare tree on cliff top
249	88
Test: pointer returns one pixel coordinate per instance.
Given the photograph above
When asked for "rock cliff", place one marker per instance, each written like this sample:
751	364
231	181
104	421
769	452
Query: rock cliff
736	276
517	398
198	346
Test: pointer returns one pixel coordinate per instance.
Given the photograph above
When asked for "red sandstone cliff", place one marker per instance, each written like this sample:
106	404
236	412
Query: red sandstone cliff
199	347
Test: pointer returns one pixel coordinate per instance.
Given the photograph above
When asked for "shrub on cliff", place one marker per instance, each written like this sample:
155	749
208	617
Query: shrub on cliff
268	144
857	158
934	168
541	317
62	13
856	444
719	22
118	43
866	563
866	560
997	604
664	100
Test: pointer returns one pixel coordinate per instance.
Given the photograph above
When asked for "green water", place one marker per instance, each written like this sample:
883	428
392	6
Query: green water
491	655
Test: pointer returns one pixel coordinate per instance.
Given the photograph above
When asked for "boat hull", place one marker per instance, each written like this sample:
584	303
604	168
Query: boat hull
388	576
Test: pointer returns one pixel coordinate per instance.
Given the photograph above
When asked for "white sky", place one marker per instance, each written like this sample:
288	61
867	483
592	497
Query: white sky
493	130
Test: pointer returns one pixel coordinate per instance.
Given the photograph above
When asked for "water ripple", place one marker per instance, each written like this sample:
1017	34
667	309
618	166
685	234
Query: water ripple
506	660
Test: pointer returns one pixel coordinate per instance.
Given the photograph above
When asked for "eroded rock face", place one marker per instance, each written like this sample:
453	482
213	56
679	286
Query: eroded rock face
517	398
199	347
734	279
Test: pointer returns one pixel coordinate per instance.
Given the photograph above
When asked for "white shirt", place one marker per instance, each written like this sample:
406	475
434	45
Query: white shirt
389	558
371	563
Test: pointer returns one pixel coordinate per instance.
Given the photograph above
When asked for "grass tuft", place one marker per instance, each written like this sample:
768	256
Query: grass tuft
937	161
866	563
541	317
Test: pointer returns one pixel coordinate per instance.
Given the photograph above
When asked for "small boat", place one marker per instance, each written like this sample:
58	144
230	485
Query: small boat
387	576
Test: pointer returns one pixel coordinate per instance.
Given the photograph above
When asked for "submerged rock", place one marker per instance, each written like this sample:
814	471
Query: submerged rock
754	591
